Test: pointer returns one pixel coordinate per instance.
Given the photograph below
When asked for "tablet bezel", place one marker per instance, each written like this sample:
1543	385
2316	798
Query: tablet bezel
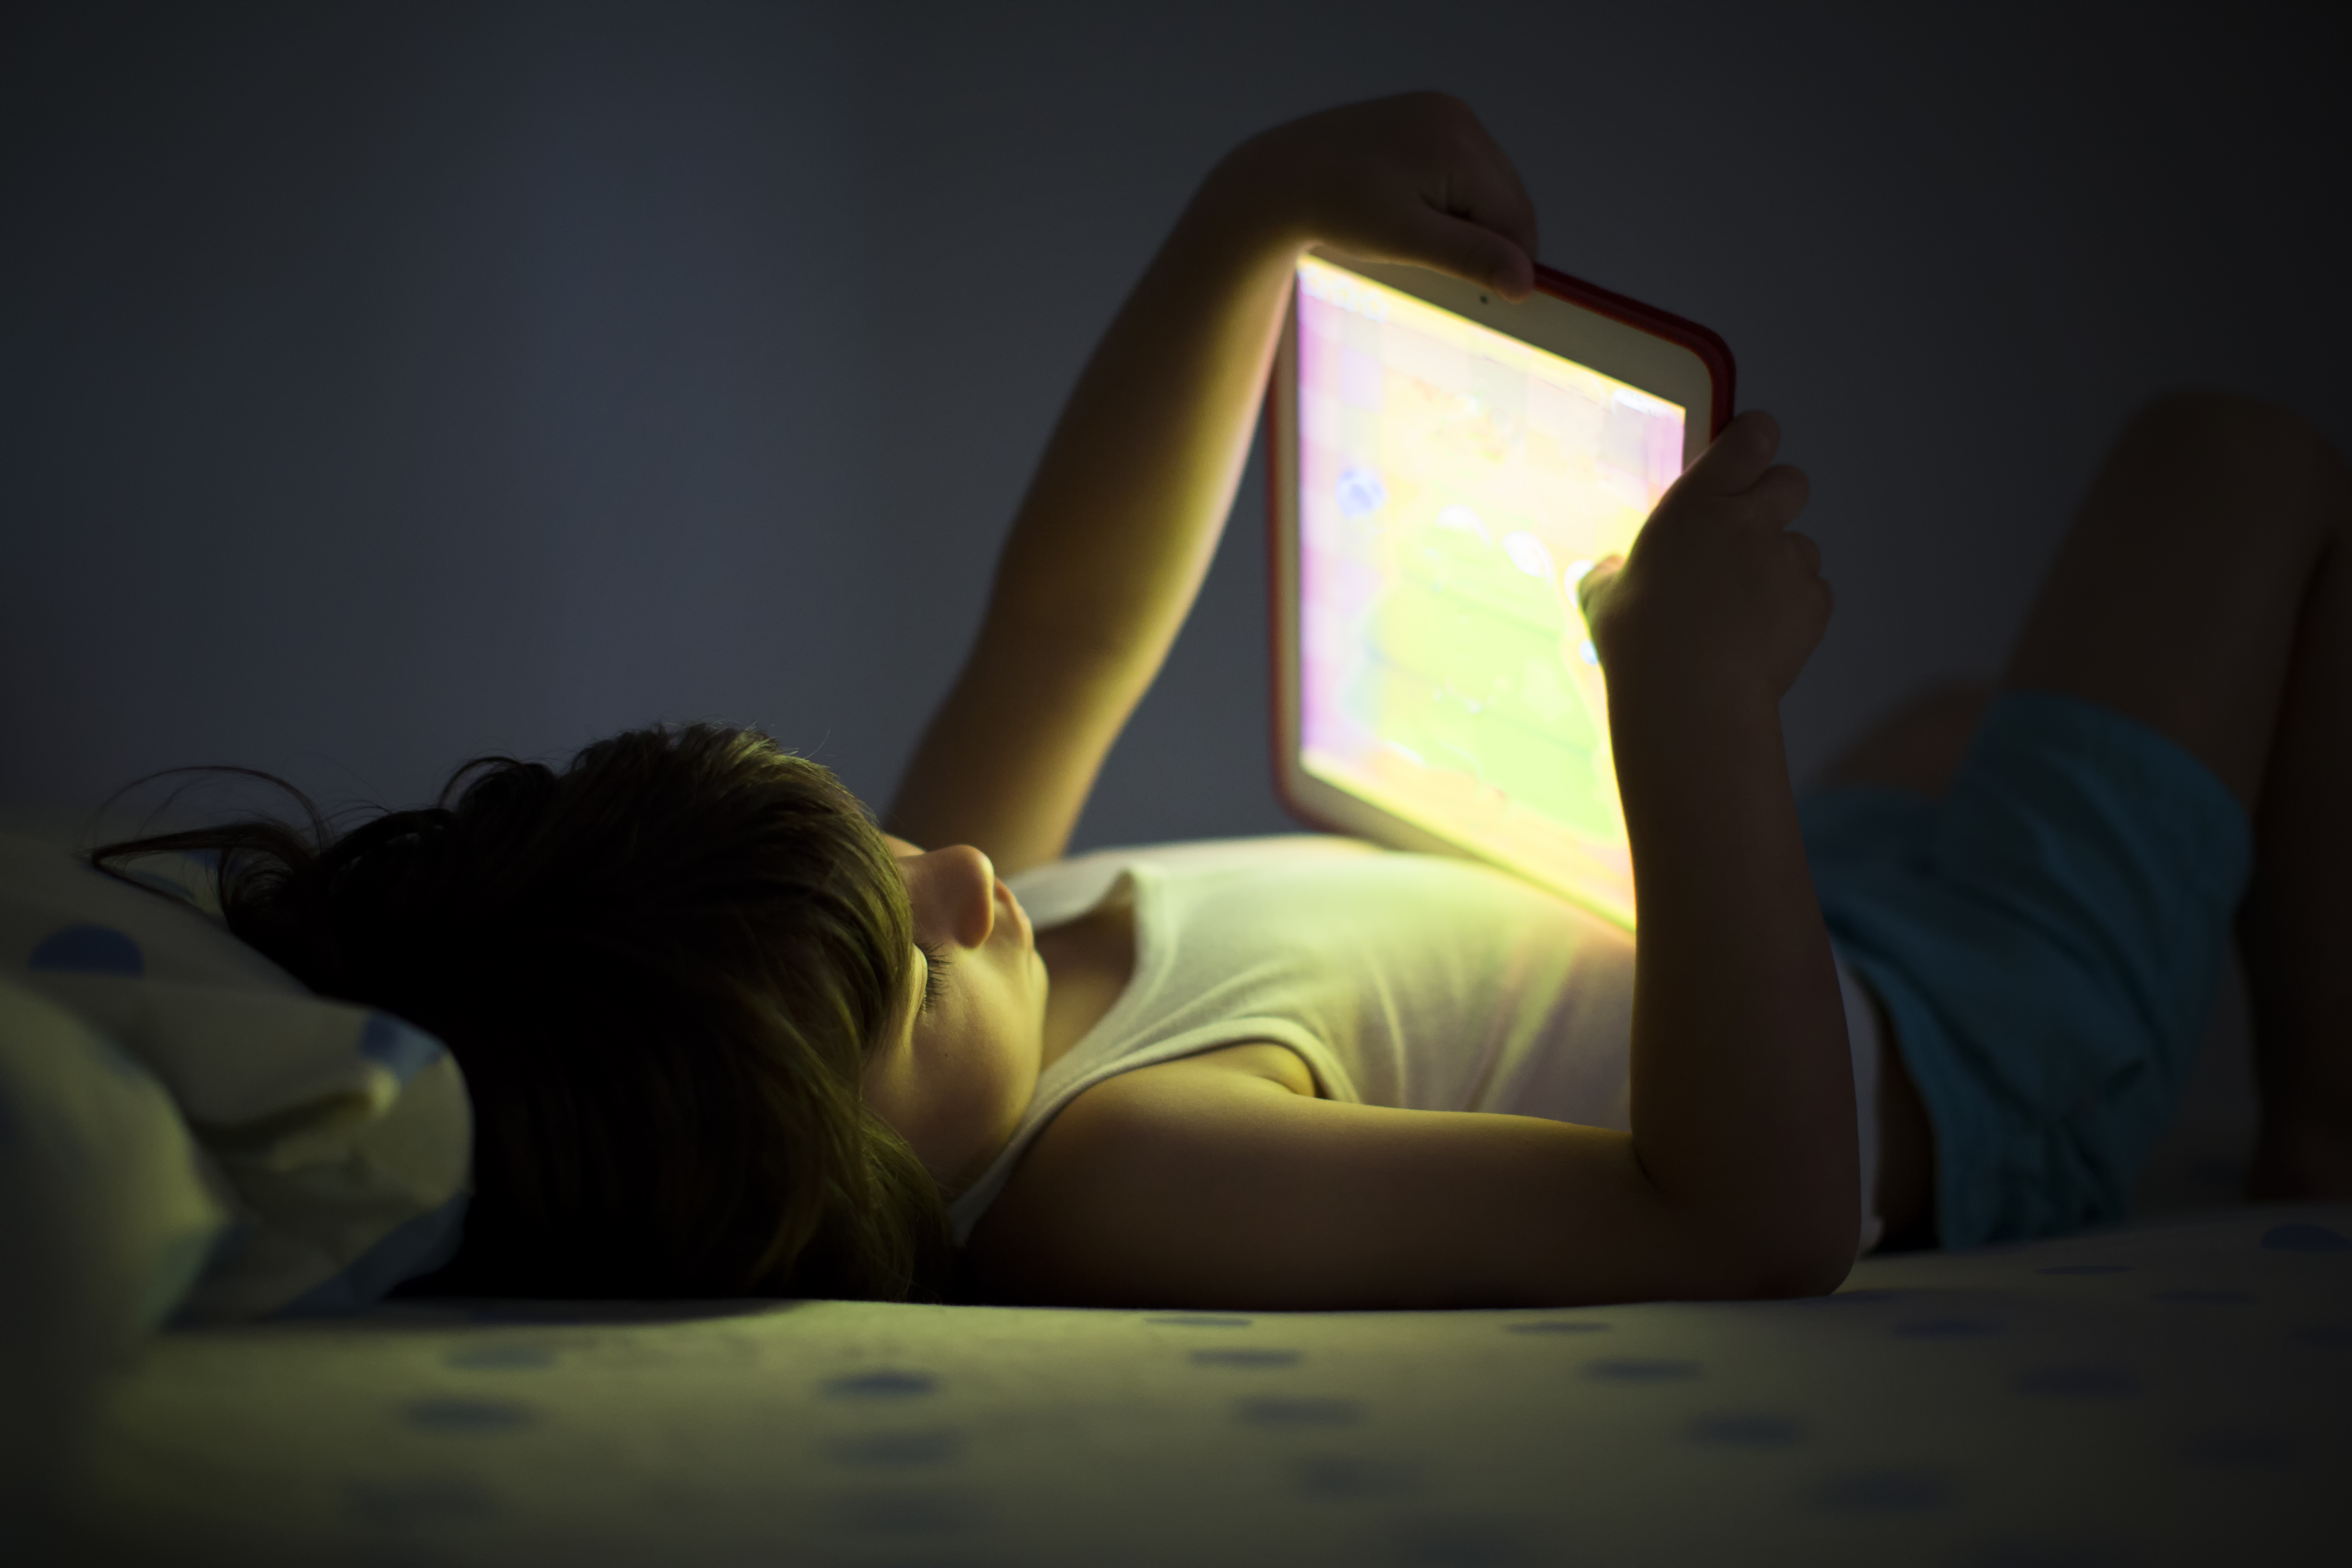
1648	348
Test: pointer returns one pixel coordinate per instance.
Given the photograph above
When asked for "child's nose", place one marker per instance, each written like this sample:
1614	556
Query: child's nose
965	881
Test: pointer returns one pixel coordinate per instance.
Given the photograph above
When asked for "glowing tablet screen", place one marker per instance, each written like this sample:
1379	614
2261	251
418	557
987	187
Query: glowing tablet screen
1454	485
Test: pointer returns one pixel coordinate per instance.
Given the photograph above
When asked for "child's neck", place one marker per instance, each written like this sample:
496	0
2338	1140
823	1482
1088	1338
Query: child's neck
1089	962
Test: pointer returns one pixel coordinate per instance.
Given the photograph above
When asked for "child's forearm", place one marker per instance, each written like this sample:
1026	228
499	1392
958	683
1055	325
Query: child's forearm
1743	1091
1111	541
1128	502
1743	1099
1118	527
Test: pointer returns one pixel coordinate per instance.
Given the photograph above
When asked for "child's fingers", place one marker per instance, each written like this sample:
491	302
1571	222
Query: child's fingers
1808	553
1413	178
1471	250
1486	190
1461	170
1779	494
1739	457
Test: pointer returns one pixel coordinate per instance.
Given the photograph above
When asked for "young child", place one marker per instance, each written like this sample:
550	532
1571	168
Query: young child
723	1037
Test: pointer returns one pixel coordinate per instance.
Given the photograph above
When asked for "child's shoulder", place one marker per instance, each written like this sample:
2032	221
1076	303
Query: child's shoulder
1108	1158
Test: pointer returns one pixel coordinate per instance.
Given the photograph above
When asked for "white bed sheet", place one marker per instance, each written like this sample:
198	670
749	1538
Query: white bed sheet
2174	1391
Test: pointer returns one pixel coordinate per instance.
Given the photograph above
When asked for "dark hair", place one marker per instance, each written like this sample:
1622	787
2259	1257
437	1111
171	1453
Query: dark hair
661	970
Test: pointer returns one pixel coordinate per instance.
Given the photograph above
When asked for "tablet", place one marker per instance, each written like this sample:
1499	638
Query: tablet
1444	466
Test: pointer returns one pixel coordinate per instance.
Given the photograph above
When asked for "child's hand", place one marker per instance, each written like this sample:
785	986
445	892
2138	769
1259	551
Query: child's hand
1718	595
1414	178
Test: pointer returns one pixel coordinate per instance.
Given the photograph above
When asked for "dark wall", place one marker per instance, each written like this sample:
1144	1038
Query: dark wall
387	385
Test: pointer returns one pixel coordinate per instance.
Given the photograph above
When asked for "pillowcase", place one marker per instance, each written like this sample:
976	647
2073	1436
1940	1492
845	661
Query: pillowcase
334	1140
106	1216
115	1182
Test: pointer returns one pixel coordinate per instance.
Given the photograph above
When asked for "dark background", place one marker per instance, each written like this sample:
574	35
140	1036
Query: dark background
390	383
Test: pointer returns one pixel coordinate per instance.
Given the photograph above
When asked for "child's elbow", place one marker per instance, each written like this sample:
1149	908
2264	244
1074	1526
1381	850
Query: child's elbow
1812	1263
1785	1261
1812	1277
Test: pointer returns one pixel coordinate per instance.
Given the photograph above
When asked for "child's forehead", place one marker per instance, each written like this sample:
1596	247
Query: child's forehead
900	847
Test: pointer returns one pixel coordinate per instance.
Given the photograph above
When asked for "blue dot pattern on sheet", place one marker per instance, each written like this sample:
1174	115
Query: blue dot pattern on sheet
1254	1358
2086	1269
1628	1369
501	1358
1746	1431
2304	1238
1346	1476
399	1049
906	1513
898	1450
882	1385
469	1416
1948	1329
88	950
1460	1542
1558	1326
2079	1383
1283	1412
1883	1491
1198	1320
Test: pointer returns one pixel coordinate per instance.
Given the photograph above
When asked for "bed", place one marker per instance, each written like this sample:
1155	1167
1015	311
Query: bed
2177	1391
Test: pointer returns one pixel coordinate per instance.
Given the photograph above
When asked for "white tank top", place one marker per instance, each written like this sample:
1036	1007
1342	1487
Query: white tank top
1414	981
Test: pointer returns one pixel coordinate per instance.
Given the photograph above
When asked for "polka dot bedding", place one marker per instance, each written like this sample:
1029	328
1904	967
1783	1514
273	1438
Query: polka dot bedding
332	1142
2178	1391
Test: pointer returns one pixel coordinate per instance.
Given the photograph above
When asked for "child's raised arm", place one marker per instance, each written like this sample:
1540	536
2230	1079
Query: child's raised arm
1125	509
1743	1092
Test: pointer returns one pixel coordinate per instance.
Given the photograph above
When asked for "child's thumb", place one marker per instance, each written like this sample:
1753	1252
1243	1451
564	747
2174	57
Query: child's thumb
1595	581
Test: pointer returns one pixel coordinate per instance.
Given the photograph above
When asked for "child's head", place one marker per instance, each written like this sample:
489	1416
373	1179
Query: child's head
663	970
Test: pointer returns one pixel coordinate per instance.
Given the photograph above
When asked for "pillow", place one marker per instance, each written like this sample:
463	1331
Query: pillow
335	1139
106	1216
